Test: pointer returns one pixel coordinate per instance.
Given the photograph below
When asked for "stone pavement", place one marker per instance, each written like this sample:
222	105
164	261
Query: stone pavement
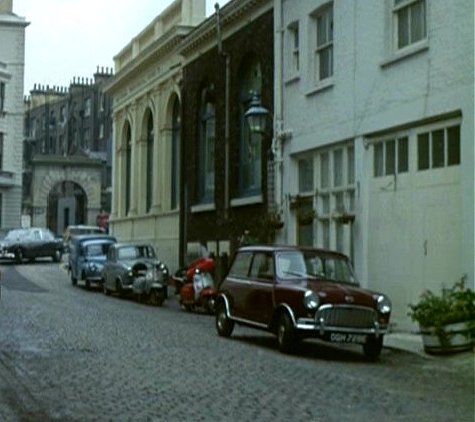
411	342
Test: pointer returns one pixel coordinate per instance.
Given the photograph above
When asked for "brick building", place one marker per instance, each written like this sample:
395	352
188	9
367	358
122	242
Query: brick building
225	190
67	159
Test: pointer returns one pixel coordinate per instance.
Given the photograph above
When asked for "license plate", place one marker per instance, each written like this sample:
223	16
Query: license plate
347	338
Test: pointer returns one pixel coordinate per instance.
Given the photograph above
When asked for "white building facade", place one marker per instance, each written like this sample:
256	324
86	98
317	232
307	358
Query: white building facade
12	63
147	131
374	124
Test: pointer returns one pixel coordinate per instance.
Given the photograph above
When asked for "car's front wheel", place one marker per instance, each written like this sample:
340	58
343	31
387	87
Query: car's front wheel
19	256
156	298
286	335
224	325
373	346
106	291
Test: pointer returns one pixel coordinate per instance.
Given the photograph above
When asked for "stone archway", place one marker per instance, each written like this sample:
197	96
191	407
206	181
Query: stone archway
56	180
67	204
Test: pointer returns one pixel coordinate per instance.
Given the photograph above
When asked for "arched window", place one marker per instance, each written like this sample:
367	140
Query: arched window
176	140
250	143
206	145
149	170
128	166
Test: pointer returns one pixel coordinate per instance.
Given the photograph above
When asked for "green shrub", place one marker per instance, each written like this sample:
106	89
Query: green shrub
452	305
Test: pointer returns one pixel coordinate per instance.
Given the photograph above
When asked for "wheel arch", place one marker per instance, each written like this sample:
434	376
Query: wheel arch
281	309
222	299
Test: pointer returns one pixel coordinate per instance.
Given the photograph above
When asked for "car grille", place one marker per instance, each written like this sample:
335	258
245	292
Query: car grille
346	316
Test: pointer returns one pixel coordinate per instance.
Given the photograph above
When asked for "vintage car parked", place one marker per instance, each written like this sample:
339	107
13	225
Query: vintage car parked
87	254
135	269
29	244
298	292
77	230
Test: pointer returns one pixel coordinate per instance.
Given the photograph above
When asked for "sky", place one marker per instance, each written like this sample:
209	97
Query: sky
70	38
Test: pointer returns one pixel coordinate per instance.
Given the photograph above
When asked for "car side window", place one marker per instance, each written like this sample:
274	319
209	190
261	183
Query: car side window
241	264
262	266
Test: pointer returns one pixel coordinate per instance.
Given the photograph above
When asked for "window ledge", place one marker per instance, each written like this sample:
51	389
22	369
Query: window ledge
406	52
292	79
321	86
250	200
203	207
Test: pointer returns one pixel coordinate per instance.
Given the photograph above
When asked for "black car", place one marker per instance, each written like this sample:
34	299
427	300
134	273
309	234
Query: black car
135	269
29	244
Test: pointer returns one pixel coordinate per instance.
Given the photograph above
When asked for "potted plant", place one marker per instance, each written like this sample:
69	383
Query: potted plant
344	217
446	319
275	221
305	216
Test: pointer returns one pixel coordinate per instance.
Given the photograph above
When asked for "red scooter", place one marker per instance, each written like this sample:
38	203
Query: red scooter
195	285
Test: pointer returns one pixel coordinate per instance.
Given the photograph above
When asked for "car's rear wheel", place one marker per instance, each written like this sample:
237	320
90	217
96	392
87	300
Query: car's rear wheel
286	335
224	325
373	346
210	304
57	256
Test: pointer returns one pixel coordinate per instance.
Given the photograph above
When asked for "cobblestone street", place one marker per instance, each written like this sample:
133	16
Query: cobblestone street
68	354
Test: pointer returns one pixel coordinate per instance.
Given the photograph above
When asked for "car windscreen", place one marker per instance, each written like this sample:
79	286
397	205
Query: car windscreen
97	249
299	264
15	234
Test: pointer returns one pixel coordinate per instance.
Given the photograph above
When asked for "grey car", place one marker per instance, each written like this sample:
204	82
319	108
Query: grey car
135	269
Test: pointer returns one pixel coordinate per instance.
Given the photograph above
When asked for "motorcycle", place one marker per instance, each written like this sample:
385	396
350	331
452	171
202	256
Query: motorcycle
195	285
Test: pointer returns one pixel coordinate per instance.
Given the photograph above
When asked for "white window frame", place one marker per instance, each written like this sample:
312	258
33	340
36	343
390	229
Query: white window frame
328	232
383	143
398	7
327	45
3	88
293	49
430	130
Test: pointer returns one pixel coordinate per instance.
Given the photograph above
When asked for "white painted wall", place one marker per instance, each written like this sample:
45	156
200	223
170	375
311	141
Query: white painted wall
372	91
12	57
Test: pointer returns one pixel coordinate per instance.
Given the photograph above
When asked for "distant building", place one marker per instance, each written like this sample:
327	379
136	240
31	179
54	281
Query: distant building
12	64
67	156
147	151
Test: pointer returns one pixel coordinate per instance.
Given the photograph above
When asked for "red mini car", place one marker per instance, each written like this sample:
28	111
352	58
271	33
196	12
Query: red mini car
298	292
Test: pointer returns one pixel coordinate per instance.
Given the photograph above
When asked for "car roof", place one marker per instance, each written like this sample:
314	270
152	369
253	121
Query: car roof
124	244
98	240
86	237
83	226
283	248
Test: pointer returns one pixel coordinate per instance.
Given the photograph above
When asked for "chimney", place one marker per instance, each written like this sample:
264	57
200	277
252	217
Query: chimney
6	6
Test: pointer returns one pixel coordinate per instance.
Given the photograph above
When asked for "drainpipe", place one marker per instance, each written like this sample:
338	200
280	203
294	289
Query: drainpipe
226	112
279	133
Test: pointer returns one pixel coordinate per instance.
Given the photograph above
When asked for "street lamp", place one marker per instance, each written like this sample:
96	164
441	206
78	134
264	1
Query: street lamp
257	115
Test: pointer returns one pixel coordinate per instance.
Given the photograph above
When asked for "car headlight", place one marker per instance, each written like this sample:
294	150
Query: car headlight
383	303
92	267
130	273
311	300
